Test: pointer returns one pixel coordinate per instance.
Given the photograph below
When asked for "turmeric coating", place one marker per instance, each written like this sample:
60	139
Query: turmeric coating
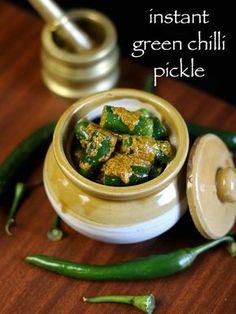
166	148
120	120
121	166
87	131
96	143
144	147
130	119
84	165
99	147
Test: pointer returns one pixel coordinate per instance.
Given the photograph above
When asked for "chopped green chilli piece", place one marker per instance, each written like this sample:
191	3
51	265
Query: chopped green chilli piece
159	130
123	170
146	148
112	181
145	112
143	147
122	121
155	172
77	152
164	152
98	150
83	131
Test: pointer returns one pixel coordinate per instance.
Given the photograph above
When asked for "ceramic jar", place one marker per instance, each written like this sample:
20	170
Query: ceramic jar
117	214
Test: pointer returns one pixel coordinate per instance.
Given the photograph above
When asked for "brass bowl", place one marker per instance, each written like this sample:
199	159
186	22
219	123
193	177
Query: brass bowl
76	74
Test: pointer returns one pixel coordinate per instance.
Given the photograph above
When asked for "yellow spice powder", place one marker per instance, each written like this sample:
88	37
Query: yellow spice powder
143	147
121	166
130	119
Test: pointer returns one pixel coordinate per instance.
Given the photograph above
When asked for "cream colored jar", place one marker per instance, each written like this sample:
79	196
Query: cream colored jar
117	214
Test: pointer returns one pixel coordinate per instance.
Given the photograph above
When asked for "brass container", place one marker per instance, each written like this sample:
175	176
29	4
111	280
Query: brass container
76	74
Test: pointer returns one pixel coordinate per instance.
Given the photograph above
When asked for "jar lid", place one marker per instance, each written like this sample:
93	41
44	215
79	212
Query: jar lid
211	186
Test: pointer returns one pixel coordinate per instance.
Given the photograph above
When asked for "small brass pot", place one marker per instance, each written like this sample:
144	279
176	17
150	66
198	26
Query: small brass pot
76	74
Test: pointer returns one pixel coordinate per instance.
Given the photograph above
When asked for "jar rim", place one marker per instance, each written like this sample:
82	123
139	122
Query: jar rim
80	107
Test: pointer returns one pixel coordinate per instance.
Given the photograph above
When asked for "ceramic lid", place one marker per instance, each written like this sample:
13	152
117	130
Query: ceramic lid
211	186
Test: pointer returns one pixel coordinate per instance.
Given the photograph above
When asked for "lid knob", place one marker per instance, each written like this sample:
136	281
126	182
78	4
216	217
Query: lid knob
226	184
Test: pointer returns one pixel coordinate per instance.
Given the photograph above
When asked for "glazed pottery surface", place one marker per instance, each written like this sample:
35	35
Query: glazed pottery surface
117	214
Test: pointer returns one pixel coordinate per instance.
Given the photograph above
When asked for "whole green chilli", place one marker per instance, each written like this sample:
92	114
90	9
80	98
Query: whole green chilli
13	167
150	267
195	130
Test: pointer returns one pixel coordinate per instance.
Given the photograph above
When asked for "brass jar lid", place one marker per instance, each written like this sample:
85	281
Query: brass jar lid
77	74
211	186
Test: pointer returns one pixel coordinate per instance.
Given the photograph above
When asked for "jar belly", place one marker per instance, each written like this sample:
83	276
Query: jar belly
114	221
